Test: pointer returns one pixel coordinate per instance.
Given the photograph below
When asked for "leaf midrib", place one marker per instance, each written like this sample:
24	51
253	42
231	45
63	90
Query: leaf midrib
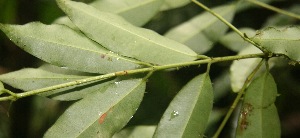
194	103
132	33
113	104
80	48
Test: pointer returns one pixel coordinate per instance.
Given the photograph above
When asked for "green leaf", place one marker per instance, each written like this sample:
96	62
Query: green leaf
200	32
235	42
262	92
188	113
283	41
171	4
66	21
119	36
141	131
283	20
59	45
131	10
32	79
240	69
258	116
244	5
100	114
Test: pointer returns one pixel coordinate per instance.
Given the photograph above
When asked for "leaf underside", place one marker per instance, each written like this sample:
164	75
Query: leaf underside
188	113
59	45
258	116
283	41
119	36
203	30
102	113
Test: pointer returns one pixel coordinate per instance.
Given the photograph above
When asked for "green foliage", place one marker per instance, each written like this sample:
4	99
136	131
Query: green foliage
258	115
200	37
280	41
100	58
66	47
108	30
101	113
188	113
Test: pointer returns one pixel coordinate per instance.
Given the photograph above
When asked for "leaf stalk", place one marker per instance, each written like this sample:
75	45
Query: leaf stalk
130	72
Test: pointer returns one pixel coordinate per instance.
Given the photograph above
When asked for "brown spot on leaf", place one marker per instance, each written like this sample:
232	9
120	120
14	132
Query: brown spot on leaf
103	55
246	110
102	117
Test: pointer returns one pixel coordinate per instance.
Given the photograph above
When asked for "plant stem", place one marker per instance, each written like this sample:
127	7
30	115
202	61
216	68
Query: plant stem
9	92
243	35
237	99
129	72
272	8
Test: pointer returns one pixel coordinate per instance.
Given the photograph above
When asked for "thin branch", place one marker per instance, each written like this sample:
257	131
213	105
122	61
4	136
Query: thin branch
129	72
243	35
272	8
237	99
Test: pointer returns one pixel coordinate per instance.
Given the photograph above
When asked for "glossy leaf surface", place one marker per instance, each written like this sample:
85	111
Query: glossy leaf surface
200	32
31	79
119	36
61	46
258	116
188	113
100	114
284	41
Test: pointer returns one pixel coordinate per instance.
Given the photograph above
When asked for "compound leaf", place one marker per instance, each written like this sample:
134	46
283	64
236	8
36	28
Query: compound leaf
102	113
117	35
200	32
59	45
258	116
284	41
188	113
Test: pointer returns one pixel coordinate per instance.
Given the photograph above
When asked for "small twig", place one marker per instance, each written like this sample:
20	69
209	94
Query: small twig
272	8
237	99
230	26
